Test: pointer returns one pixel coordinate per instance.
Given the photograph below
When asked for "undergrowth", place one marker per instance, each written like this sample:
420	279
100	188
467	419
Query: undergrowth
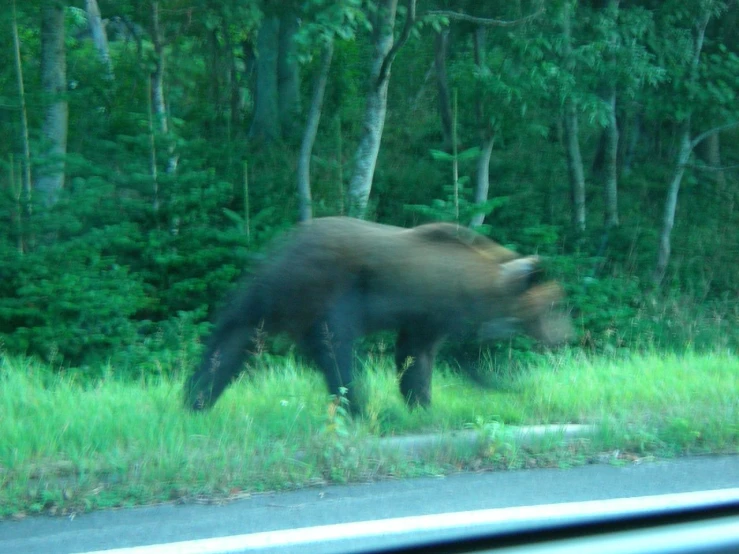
70	445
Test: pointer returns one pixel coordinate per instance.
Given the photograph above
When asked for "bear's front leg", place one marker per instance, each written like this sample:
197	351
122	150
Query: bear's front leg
331	349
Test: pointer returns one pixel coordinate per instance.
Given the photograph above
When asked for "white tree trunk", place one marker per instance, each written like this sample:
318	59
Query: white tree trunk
157	81
157	86
686	149
365	158
574	166
572	142
99	36
153	149
305	210
482	184
487	134
53	81
683	154
668	218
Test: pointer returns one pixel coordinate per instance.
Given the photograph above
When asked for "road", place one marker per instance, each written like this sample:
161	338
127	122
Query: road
342	504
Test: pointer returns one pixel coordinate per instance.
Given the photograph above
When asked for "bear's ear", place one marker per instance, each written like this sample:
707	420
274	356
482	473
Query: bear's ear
518	275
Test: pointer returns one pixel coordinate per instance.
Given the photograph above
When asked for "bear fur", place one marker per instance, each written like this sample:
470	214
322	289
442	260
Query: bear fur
336	279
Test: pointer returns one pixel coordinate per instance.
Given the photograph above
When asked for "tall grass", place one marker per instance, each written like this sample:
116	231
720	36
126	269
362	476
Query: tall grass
66	444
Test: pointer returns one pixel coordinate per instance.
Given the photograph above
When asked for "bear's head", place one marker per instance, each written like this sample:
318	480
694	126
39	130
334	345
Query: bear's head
534	305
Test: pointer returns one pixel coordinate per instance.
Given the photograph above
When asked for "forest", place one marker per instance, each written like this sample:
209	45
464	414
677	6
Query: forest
154	149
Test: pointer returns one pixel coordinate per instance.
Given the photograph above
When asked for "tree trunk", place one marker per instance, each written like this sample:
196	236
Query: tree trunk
610	136
487	135
668	218
339	166
157	85
574	166
157	80
24	112
483	178
713	158
99	36
686	148
365	158
441	47
153	149
266	125
234	88
572	143
305	211
632	141
479	56
53	81
212	127
288	76
610	164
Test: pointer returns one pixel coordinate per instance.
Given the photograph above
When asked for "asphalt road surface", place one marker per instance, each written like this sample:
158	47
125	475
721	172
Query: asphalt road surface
328	505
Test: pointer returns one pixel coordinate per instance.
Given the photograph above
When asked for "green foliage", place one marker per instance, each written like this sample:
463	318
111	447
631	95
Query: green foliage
604	307
326	21
168	347
337	441
69	302
458	206
103	269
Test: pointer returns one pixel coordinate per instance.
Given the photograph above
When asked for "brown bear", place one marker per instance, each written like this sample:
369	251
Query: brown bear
337	278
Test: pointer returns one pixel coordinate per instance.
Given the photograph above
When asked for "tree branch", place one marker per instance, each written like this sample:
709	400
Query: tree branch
703	167
484	20
410	19
703	136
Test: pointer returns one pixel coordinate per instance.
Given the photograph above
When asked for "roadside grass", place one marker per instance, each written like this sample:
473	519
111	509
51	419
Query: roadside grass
68	445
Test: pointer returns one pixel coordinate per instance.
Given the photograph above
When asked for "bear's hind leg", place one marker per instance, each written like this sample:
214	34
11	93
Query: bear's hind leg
414	358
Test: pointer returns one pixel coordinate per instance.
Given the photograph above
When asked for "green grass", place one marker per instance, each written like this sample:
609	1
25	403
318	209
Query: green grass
66	445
